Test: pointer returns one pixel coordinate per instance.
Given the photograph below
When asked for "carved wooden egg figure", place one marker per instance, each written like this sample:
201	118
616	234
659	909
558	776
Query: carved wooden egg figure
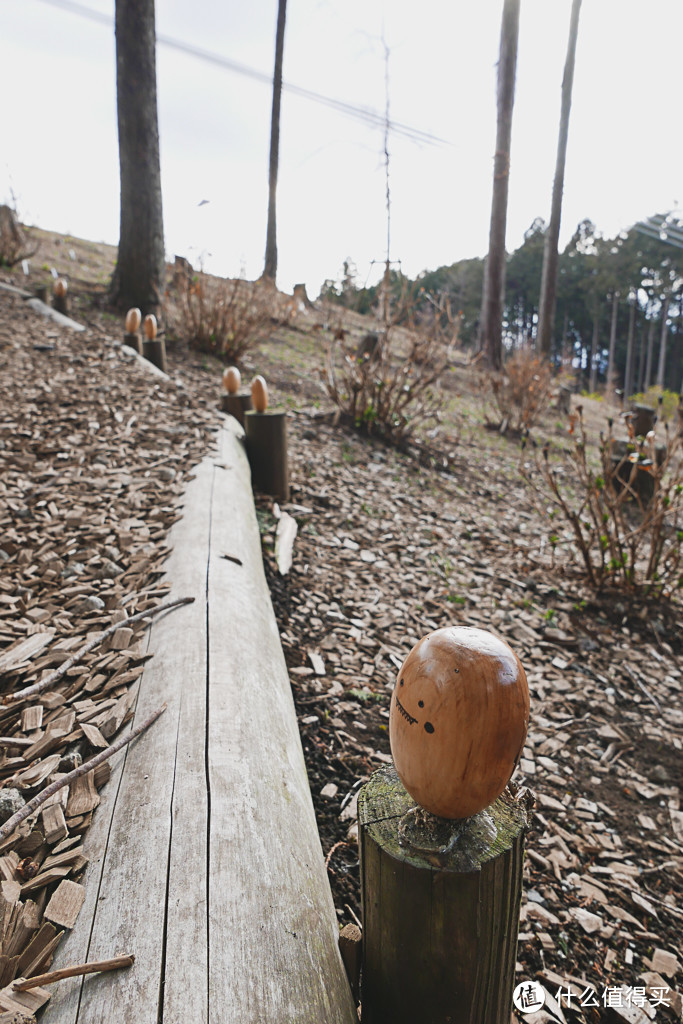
150	327
259	394
61	287
232	380
133	320
458	720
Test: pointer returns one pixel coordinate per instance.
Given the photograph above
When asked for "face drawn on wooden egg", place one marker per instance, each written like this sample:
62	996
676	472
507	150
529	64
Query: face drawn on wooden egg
458	720
133	320
150	326
61	287
232	379
259	394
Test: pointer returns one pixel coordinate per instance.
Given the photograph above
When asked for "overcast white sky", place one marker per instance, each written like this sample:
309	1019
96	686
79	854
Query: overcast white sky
625	159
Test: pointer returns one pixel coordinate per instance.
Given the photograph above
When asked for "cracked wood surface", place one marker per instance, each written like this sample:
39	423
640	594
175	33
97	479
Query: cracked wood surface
205	859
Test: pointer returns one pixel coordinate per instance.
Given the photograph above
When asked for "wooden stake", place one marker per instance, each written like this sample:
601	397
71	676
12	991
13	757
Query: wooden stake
236	405
133	341
154	349
439	922
75	972
266	434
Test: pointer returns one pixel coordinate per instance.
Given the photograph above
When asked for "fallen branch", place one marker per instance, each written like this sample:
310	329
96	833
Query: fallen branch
30	691
54	787
75	972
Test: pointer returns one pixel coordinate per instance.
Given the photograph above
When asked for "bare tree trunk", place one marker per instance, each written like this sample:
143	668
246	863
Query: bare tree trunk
270	268
138	278
628	374
546	313
662	343
594	352
612	344
641	358
494	280
650	347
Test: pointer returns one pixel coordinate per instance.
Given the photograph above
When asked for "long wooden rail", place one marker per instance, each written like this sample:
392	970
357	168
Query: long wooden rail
205	857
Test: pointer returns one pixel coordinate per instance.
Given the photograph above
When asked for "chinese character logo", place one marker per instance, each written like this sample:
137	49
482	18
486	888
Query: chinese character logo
528	997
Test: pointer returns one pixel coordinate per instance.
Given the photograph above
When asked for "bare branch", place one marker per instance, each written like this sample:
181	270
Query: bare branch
54	787
52	678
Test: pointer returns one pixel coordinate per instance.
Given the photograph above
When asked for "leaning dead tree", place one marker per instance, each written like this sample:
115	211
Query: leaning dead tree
491	330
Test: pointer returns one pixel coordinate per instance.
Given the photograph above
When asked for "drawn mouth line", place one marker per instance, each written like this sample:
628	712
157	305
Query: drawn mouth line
409	718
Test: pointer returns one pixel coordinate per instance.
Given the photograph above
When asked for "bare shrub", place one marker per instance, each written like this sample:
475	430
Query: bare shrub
522	391
15	244
389	384
224	318
622	506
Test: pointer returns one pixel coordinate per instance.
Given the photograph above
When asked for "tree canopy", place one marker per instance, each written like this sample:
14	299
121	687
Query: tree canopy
643	271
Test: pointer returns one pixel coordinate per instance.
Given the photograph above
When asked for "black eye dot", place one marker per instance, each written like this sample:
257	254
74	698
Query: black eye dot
401	683
429	727
421	703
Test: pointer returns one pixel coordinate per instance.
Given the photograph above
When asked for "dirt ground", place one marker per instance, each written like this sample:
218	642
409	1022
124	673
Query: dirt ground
389	548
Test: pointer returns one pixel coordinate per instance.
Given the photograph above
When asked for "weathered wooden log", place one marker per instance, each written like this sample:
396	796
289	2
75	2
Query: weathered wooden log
154	350
266	434
204	853
236	405
133	340
440	921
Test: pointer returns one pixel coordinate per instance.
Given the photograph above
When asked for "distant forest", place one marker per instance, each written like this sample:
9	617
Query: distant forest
618	287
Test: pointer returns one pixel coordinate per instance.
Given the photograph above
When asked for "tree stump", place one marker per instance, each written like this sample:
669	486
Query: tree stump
266	435
236	405
643	419
439	927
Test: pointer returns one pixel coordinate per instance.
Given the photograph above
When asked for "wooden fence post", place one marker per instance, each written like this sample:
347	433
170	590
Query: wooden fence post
234	401
441	880
266	436
439	933
131	336
153	348
60	298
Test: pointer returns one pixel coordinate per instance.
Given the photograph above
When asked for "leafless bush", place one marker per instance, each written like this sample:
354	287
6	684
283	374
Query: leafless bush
389	384
15	244
622	506
521	392
224	318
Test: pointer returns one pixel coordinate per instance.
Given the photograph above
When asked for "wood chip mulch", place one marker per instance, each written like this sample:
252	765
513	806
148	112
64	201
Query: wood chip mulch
386	551
94	455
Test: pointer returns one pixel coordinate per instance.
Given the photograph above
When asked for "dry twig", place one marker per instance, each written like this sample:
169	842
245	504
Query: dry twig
65	780
77	971
52	678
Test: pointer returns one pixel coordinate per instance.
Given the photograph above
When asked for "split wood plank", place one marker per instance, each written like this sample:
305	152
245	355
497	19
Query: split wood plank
271	913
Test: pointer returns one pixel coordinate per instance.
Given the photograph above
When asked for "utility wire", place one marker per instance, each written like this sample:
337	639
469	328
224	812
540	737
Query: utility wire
365	114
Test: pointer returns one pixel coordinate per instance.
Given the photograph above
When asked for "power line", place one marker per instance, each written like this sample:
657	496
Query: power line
365	114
